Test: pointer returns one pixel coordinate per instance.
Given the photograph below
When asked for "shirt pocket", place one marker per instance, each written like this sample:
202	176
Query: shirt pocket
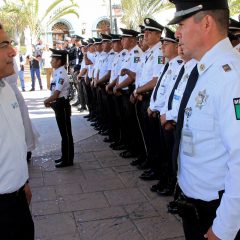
202	122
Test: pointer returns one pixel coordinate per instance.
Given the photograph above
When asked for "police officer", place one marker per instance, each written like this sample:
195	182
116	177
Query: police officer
207	150
60	104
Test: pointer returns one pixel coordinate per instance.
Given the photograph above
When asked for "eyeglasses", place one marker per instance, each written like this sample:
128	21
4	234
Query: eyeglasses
4	44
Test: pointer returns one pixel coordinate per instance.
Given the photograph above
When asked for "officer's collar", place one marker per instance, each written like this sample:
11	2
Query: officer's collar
212	55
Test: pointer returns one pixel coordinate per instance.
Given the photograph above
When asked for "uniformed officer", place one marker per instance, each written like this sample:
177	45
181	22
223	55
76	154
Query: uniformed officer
207	149
15	195
234	29
125	87
60	104
152	65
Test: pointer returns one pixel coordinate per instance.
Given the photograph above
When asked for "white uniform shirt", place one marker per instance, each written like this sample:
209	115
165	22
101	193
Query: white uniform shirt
178	93
139	70
153	64
13	170
166	85
83	66
96	63
237	48
130	62
116	64
60	82
90	66
210	162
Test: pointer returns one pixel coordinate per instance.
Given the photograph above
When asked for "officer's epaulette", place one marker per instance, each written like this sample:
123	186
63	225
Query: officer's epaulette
136	51
180	61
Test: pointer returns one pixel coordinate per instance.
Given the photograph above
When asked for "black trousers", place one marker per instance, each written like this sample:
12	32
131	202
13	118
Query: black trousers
197	216
15	218
62	111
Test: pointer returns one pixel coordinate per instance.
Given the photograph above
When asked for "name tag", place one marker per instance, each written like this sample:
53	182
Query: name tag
187	142
177	95
162	90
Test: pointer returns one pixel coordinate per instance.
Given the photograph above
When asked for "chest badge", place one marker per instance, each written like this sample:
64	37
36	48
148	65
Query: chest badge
201	99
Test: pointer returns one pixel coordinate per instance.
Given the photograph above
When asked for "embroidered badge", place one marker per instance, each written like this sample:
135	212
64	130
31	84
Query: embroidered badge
147	21
201	99
61	81
226	68
136	59
136	51
236	102
161	60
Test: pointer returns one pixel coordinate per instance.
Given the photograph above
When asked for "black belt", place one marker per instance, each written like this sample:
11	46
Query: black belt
8	196
124	91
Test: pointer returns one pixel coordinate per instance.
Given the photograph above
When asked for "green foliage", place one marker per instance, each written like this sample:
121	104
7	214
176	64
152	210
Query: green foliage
17	15
234	6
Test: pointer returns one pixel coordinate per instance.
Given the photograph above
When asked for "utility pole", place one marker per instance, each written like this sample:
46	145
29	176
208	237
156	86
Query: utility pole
110	9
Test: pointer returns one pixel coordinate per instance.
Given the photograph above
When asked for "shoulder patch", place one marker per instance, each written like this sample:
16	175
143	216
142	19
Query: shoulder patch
180	61
236	103
226	68
161	60
136	51
61	81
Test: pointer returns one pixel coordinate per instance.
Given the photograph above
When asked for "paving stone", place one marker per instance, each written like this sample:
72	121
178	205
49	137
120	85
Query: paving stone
125	168
36	182
45	193
105	154
35	172
141	210
131	179
69	175
89	165
124	196
99	174
68	189
112	162
101	184
99	214
158	228
84	157
82	202
116	228
73	236
55	224
44	208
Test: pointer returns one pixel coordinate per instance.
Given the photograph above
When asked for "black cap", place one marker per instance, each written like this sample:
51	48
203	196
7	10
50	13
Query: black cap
187	8
232	37
106	38
97	40
90	41
115	37
78	38
152	25
168	35
142	29
84	44
234	25
58	53
129	32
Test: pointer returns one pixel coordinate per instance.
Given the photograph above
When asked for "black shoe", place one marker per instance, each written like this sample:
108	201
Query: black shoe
104	132
165	192
151	176
87	116
23	90
157	187
58	160
108	140
172	207
76	104
29	156
126	154
119	147
32	89
41	88
144	165
135	162
63	164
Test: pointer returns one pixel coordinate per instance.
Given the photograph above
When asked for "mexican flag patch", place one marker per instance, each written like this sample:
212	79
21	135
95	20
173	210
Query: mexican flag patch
61	81
236	103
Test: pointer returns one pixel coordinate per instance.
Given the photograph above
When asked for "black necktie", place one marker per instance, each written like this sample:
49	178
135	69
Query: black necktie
159	81
175	87
187	93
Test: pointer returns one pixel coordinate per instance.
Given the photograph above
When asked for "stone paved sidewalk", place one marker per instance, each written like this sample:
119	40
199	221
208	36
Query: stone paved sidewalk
99	198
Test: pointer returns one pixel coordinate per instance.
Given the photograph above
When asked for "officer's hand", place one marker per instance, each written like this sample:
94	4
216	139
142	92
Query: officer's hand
163	119
123	72
139	98
28	193
169	126
132	99
210	235
46	103
150	112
